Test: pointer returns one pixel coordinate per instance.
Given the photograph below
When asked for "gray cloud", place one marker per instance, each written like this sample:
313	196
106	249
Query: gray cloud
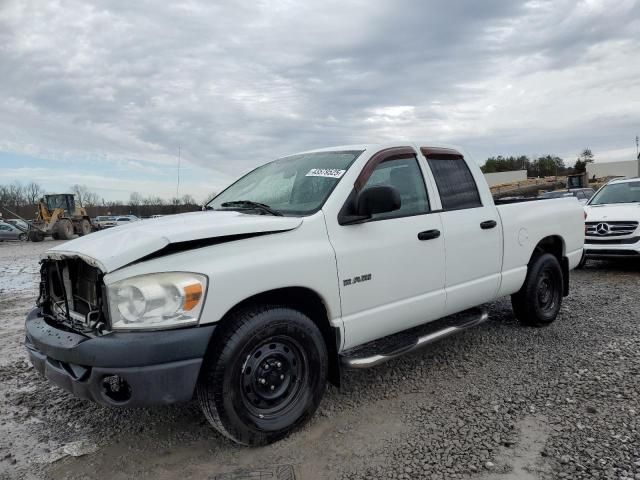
238	83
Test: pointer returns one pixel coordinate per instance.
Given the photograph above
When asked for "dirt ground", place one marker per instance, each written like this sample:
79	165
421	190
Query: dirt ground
497	402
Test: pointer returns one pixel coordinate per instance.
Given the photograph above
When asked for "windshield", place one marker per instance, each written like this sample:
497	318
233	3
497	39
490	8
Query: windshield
296	185
627	192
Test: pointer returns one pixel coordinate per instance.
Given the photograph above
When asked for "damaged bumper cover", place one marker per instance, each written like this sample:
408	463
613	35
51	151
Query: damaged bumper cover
127	369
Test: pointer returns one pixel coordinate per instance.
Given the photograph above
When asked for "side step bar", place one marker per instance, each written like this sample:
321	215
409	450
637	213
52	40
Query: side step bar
464	320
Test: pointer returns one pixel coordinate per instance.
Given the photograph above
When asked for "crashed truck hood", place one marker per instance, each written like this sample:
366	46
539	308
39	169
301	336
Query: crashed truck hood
116	247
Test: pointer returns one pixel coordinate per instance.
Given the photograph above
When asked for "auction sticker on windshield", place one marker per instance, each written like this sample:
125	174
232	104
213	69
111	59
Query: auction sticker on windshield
325	172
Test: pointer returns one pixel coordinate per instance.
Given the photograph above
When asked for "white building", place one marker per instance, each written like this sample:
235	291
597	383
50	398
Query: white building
628	168
498	178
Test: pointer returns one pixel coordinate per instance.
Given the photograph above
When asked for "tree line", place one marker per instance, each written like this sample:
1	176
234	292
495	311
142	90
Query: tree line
543	166
23	199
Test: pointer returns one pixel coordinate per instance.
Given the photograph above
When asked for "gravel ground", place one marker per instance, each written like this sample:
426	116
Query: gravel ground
497	402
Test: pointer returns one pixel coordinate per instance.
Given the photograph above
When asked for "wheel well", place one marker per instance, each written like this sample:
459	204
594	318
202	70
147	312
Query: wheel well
554	245
311	304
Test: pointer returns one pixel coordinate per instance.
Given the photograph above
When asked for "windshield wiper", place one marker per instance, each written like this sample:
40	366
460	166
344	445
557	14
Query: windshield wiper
249	205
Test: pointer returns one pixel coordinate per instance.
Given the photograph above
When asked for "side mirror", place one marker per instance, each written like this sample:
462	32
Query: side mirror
380	199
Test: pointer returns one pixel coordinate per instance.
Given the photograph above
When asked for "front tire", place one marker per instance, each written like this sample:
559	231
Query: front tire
85	227
539	300
264	376
36	236
64	229
582	262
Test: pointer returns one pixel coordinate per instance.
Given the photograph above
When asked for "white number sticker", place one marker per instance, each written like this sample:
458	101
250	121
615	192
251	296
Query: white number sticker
325	172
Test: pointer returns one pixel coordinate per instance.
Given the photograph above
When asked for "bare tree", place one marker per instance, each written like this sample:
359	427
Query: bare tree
33	193
80	191
188	200
4	195
135	199
16	195
91	199
209	197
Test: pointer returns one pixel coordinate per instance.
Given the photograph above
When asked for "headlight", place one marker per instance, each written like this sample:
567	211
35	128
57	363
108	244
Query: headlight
157	300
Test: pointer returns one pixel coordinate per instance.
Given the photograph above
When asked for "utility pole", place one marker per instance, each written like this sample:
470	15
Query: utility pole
638	155
178	185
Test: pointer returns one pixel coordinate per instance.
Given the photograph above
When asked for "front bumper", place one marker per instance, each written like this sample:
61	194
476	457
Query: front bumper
612	247
125	369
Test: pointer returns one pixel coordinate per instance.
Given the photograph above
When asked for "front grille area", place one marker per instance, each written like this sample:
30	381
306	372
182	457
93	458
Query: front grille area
610	229
612	253
71	295
611	241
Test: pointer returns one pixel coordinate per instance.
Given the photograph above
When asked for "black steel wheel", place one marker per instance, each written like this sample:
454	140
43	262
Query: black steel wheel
273	377
540	298
265	374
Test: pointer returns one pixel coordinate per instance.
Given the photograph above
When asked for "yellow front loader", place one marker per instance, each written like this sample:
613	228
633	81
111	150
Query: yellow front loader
59	217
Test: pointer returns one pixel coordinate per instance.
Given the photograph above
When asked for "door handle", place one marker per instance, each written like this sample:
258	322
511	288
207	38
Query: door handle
428	234
486	225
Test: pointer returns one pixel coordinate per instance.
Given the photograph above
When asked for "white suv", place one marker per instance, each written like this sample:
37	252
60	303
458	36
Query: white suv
612	218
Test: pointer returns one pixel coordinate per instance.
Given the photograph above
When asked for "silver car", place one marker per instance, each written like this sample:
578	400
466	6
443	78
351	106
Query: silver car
9	232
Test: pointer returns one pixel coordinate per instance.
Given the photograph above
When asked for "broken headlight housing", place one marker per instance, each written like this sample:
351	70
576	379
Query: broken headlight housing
157	301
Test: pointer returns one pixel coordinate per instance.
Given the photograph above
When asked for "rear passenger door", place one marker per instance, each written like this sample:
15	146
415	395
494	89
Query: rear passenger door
472	232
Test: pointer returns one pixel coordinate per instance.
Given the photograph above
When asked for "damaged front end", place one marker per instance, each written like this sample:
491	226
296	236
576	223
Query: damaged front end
73	295
70	341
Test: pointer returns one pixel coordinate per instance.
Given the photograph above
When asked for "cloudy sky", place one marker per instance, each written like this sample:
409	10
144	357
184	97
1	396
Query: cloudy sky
104	93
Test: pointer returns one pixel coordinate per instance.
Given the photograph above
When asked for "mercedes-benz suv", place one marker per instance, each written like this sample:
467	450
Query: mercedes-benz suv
612	218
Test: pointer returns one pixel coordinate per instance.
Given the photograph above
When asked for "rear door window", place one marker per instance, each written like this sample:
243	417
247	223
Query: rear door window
455	183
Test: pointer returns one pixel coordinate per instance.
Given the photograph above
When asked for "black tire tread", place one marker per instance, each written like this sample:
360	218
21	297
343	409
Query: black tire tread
205	396
231	331
521	302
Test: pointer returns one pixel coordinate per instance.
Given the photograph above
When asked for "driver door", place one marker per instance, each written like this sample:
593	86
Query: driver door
391	267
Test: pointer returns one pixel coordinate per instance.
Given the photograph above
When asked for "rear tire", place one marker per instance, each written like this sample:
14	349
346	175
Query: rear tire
539	300
264	376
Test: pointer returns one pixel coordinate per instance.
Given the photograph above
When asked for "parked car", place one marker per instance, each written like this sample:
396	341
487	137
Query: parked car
612	218
582	194
125	219
11	232
104	221
330	259
16	222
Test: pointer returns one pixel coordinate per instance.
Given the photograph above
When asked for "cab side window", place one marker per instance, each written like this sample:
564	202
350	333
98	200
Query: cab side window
455	183
405	176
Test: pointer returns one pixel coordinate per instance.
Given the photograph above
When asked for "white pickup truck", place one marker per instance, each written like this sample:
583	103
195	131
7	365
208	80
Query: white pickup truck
336	258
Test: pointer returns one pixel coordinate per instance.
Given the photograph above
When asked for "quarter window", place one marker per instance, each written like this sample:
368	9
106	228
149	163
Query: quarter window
405	176
455	183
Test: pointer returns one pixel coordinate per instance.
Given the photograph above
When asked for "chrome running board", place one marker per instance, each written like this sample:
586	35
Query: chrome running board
366	356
